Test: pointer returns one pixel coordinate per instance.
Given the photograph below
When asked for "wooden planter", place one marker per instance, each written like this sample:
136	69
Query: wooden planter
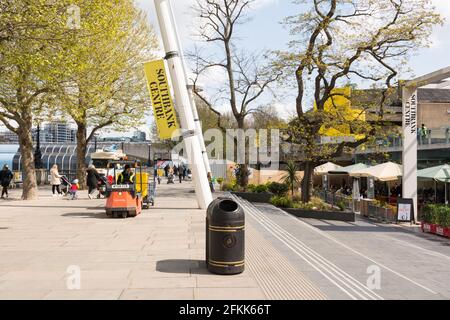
435	229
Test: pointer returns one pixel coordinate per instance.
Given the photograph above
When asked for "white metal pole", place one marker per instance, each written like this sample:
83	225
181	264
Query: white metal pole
198	124
410	146
191	141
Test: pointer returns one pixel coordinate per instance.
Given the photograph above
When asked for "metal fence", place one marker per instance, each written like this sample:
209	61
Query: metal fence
364	207
380	214
335	199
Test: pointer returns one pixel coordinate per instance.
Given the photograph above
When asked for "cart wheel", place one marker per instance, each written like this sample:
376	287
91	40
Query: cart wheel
124	215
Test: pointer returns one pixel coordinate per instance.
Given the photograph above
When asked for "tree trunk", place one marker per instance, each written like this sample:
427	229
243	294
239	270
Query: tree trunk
244	179
30	188
81	154
307	182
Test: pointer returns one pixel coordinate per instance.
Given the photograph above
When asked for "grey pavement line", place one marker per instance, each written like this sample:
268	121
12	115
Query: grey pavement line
282	281
330	271
359	253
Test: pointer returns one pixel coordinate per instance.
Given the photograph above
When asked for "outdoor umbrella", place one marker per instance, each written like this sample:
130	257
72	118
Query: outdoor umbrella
325	168
440	173
385	172
437	174
350	169
356	181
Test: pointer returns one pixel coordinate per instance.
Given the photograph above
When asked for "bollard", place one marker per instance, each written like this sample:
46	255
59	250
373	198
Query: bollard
225	239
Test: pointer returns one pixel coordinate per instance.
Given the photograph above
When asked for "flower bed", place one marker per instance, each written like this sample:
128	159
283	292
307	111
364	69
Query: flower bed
264	197
316	209
436	220
258	193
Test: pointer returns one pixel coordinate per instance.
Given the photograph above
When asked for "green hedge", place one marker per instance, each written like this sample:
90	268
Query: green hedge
278	189
437	214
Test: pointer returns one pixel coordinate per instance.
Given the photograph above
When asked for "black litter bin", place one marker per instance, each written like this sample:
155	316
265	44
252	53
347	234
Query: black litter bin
225	239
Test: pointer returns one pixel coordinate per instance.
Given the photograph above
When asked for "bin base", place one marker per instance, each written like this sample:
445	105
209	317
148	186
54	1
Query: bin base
225	270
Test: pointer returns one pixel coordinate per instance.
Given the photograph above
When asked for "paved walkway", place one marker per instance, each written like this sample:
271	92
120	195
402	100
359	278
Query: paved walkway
158	255
362	260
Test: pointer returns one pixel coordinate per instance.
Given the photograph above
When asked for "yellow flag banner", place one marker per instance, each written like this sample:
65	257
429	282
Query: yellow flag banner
164	110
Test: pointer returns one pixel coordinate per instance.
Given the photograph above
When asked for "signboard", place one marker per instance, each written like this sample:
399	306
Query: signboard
371	188
163	107
405	210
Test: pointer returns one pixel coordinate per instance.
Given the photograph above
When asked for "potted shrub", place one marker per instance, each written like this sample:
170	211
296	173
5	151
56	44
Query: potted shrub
220	182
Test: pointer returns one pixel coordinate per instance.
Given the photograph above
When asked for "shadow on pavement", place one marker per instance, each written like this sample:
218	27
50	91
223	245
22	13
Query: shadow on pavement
182	266
87	215
383	229
55	207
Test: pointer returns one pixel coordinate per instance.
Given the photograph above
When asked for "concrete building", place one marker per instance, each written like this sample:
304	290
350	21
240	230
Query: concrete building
139	136
433	109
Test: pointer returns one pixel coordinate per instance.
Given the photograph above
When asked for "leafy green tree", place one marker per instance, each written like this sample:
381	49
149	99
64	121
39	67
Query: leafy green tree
337	40
31	64
105	82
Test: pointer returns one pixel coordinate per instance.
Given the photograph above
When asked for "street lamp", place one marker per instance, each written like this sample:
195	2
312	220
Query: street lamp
37	152
149	160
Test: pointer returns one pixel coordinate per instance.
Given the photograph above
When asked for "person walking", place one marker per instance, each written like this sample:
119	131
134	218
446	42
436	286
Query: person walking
170	178
166	171
6	177
74	189
93	177
423	134
211	182
55	180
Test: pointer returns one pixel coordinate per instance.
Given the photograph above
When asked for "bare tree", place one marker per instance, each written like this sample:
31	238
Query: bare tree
247	76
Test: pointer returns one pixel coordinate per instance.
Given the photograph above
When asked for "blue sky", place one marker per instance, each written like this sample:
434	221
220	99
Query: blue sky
265	32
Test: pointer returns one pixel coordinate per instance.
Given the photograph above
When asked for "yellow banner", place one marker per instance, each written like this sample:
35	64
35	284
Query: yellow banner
164	111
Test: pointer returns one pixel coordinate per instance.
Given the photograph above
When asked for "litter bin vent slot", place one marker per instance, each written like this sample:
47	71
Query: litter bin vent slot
228	206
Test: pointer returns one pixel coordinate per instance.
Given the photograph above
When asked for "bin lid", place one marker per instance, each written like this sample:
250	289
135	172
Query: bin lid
226	212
